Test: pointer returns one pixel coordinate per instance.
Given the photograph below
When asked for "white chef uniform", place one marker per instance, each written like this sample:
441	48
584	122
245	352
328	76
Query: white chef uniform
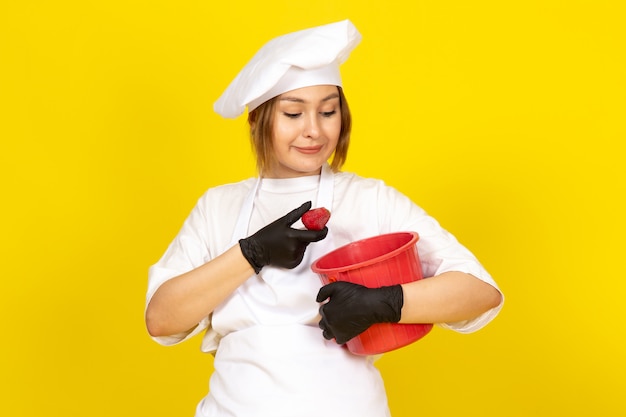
272	359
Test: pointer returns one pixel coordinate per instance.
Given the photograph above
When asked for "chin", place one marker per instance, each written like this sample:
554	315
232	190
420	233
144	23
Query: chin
301	170
311	167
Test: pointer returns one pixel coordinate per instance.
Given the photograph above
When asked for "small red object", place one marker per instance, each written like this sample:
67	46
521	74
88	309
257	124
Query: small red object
316	219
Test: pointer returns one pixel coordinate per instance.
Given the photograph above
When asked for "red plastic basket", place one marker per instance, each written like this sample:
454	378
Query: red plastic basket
374	262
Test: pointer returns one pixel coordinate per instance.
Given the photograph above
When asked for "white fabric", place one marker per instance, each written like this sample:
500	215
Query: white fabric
296	78
251	320
276	364
361	208
320	50
274	296
291	371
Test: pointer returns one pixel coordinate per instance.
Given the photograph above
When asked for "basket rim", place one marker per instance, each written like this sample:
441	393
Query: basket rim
411	242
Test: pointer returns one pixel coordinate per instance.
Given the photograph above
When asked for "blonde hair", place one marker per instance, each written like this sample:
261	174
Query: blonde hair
261	121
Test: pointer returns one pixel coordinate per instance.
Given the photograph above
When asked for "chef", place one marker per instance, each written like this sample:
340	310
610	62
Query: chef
239	269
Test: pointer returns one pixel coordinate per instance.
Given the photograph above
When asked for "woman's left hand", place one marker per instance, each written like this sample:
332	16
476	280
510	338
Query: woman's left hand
353	308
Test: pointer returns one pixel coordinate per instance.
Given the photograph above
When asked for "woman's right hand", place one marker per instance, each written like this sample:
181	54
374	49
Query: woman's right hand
278	244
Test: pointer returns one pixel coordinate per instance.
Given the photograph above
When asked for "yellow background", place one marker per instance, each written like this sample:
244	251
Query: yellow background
504	120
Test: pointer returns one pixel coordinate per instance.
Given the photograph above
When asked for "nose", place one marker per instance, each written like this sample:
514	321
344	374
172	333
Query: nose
311	127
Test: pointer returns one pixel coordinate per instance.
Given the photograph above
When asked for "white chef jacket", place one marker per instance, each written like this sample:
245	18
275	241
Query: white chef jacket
360	208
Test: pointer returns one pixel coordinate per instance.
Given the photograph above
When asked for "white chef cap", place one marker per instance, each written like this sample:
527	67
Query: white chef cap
299	59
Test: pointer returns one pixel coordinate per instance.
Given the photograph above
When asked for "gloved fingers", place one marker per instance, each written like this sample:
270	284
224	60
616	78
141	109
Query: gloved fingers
308	236
325	292
338	288
327	334
323	324
296	259
295	214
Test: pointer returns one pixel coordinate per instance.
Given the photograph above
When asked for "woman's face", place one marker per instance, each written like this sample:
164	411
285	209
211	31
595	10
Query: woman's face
307	123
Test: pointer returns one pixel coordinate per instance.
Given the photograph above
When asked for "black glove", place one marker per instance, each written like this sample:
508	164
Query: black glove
278	244
353	308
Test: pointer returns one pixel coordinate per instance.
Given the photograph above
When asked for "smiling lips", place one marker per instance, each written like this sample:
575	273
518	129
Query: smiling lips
309	150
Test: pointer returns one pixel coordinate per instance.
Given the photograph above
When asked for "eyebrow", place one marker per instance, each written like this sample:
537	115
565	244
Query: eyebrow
299	100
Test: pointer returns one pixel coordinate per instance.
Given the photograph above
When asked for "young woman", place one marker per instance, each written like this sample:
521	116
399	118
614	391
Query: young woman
239	269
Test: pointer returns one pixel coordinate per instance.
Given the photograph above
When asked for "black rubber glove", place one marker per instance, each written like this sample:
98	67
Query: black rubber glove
353	308
278	244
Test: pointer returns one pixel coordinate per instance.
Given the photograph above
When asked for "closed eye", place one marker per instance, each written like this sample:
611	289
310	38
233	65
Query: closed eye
292	115
329	113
